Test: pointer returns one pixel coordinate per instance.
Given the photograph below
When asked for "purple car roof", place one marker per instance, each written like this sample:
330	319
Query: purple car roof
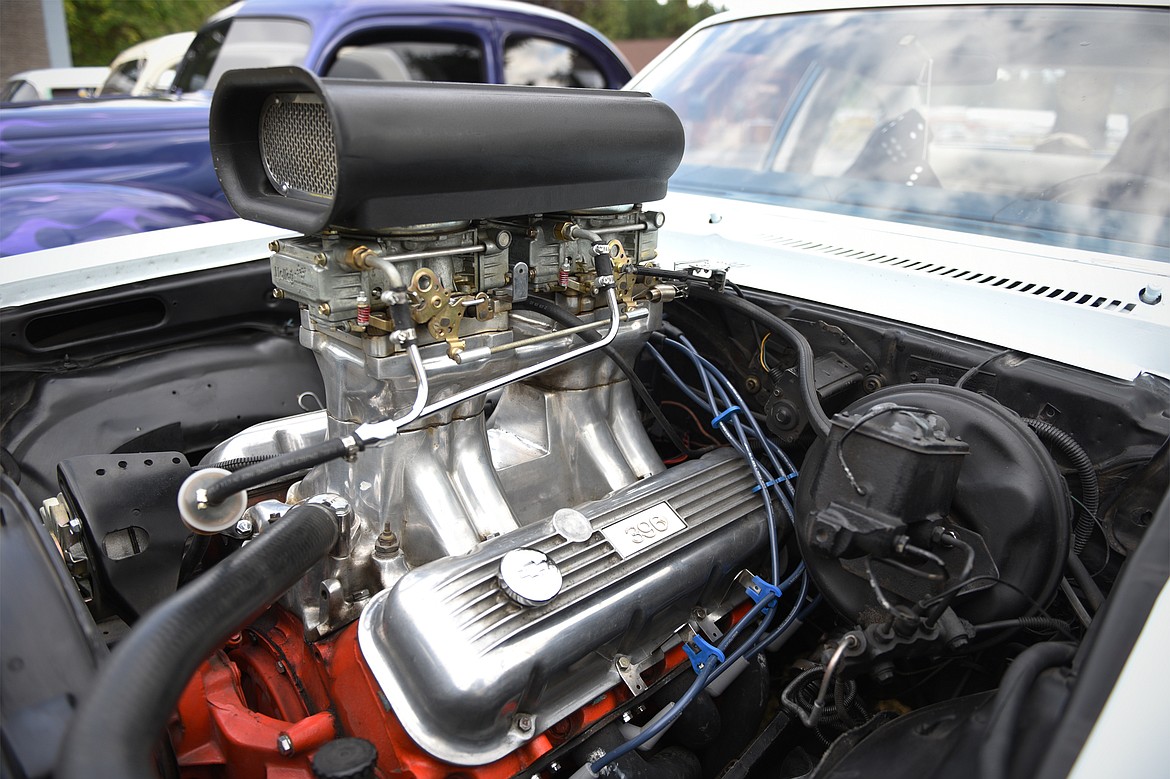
329	18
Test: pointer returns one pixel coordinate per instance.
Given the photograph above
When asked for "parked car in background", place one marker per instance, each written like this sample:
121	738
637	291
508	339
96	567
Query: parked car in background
147	67
481	454
32	86
140	146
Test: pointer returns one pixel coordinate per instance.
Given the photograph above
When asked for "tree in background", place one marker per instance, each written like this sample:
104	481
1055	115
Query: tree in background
626	19
100	29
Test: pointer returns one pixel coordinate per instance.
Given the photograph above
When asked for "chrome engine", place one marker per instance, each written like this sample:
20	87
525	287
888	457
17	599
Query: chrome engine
560	475
512	543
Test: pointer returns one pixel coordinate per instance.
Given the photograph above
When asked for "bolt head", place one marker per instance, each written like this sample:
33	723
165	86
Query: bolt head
244	527
324	309
274	246
284	744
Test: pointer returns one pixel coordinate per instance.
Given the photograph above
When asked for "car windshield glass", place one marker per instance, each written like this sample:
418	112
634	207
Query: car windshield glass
241	43
122	79
1049	124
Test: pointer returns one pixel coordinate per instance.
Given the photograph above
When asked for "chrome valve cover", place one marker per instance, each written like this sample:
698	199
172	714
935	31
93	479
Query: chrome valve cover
473	671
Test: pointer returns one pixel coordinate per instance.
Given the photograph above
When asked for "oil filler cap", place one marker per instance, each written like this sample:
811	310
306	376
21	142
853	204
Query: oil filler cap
345	758
529	577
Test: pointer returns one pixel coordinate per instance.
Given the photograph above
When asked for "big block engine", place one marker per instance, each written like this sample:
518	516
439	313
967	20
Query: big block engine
497	576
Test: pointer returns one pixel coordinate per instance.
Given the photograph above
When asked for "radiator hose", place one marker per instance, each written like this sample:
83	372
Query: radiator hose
117	726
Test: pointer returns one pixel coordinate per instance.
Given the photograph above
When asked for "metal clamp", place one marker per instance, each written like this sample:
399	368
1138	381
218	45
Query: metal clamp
848	641
631	672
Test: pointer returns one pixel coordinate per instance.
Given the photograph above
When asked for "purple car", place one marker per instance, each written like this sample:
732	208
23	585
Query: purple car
77	172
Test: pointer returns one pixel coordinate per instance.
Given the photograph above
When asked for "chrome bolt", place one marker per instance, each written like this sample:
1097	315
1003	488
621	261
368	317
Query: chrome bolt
623	662
284	745
244	527
524	722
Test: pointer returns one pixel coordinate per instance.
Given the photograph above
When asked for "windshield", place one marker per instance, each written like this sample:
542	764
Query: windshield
241	43
123	79
1050	124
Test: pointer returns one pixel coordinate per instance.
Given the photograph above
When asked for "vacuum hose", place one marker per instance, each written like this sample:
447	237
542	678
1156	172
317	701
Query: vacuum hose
805	359
1090	490
117	726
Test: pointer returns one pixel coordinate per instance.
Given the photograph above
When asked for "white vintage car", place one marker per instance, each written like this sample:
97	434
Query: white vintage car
30	86
801	411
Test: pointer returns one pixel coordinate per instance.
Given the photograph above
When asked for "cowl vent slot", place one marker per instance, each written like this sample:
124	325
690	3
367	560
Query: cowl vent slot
1075	297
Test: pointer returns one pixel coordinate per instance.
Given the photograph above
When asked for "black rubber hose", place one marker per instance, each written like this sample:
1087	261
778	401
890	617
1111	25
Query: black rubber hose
118	724
699	725
668	763
239	462
1085	581
274	468
995	754
1090	489
805	360
1032	623
741	711
568	319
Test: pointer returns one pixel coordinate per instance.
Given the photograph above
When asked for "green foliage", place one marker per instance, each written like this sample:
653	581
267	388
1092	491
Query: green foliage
100	29
625	19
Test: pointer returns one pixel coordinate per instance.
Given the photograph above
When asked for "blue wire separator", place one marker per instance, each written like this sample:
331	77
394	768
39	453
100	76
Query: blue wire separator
723	416
774	482
758	589
702	652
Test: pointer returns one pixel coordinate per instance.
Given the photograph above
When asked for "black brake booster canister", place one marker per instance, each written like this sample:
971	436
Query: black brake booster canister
923	490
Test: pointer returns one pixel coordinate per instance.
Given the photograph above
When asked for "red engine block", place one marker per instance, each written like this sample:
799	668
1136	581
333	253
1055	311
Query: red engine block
267	700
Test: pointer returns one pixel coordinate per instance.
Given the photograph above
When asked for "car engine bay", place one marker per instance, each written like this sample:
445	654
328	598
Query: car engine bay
552	506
